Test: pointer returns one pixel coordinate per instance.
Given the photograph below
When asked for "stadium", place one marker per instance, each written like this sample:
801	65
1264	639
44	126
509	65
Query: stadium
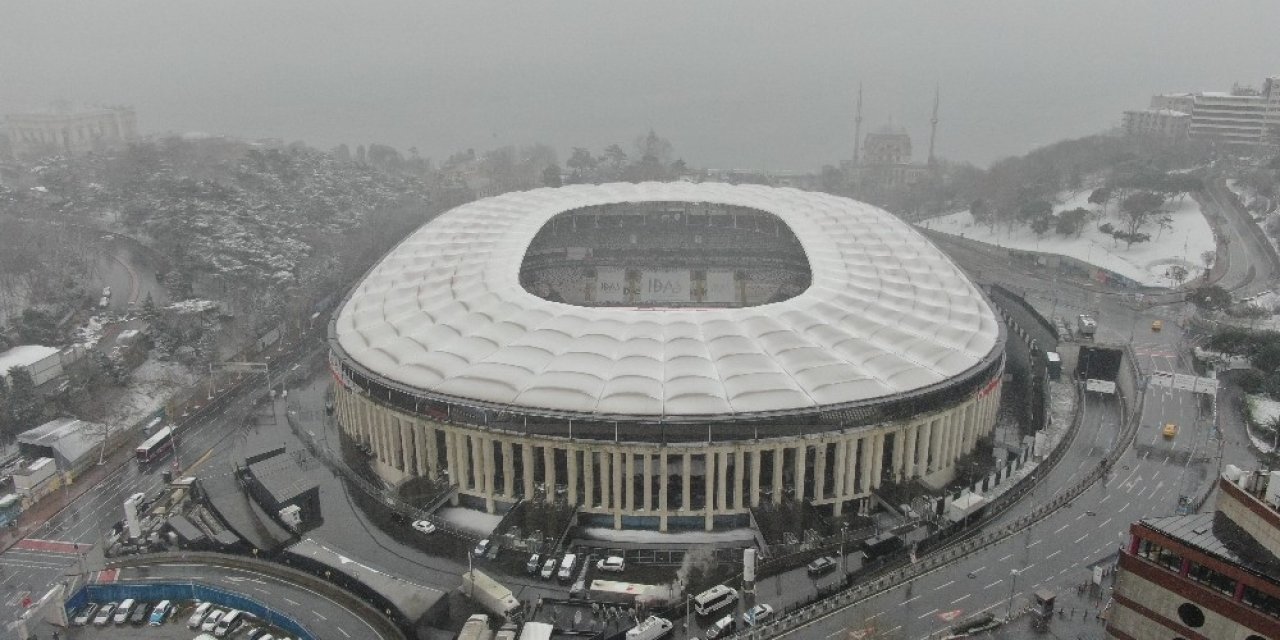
666	355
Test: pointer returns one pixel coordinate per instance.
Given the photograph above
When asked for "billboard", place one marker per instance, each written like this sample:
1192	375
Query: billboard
664	286
611	285
721	287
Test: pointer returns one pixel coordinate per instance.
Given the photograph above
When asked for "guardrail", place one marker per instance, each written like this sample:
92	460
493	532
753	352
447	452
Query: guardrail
383	625
957	549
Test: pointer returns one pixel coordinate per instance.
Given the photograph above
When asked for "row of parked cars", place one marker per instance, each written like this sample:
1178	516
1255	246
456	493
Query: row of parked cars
222	622
563	567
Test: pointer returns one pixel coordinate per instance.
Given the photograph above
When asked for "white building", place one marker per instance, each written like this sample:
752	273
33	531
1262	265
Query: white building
1242	117
1165	123
43	363
61	130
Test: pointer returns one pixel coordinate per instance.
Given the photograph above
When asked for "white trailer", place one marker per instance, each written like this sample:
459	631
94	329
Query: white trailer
490	594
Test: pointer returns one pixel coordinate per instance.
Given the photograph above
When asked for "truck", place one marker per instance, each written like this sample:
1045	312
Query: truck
490	594
1086	326
881	545
476	628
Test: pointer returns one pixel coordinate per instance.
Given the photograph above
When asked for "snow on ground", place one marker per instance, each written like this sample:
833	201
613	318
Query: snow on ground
1145	262
150	387
1263	410
470	520
679	537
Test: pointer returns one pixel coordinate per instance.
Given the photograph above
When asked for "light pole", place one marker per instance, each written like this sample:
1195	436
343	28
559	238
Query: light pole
1013	585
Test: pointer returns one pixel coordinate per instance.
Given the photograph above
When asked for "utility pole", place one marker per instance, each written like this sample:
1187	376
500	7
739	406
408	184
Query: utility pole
857	129
933	125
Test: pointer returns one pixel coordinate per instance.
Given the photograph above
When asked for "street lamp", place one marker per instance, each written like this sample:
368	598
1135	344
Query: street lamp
1013	585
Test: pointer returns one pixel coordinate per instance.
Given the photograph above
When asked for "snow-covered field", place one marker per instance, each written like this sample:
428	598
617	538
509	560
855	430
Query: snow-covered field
1182	243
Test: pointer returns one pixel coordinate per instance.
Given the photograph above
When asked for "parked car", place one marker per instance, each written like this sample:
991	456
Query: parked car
612	563
123	611
211	620
160	613
481	547
424	526
549	567
197	616
722	627
821	565
535	562
104	614
757	614
139	613
85	614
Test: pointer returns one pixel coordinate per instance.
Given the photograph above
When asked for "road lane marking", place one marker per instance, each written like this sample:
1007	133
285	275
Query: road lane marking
1105	498
1053	554
317	614
1061	528
1035	543
1126	506
994	583
944	586
961	598
913	599
926	615
291	602
1005	558
1104	523
979	570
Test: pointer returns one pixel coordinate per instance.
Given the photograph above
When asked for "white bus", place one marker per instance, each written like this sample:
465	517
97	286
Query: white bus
714	599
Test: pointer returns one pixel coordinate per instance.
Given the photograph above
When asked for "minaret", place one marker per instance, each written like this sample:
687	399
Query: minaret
933	124
857	129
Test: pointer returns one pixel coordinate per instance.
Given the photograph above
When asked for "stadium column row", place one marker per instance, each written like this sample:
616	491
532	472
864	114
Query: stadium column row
689	480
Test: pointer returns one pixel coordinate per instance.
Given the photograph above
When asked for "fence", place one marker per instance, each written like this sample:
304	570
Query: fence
888	578
189	590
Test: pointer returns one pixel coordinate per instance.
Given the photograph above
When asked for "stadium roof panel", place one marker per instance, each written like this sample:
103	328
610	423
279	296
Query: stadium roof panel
886	314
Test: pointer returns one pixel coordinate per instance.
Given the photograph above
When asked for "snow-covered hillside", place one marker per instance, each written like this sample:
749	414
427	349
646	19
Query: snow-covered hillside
1182	243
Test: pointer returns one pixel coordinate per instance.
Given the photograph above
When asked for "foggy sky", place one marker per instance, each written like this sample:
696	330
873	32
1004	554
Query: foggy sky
736	84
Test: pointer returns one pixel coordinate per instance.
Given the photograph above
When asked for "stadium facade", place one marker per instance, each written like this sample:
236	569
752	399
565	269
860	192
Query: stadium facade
666	355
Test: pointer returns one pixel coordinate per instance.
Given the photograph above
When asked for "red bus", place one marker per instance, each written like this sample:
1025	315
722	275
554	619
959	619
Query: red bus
159	442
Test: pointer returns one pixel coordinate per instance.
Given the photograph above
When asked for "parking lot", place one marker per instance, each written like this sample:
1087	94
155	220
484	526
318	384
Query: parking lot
174	628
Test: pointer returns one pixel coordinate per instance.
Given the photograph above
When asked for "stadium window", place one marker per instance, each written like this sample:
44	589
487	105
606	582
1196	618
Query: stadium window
1265	603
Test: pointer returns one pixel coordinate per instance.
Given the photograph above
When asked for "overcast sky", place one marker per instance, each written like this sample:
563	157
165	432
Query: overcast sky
732	84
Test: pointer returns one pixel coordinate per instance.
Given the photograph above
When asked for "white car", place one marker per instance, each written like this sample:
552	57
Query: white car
757	614
612	563
481	548
423	526
198	615
211	621
104	614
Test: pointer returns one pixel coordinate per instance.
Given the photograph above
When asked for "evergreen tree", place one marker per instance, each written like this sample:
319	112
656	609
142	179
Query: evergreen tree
4	408
25	406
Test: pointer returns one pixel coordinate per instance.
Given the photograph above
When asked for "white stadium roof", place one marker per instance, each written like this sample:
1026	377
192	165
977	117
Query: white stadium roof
886	314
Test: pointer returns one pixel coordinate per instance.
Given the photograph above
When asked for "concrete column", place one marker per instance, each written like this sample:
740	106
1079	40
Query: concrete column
777	475
897	459
477	460
865	446
406	446
708	476
877	460
489	469
526	461
662	490
451	457
756	455
508	469
909	452
630	483
646	469
588	478
800	470
935	444
549	471
433	454
571	465
685	470
820	472
606	479
739	468
425	464
618	487
851	467
722	481
838	475
923	433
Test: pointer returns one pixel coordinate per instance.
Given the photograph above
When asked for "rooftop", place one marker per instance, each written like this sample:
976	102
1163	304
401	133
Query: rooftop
887	314
24	355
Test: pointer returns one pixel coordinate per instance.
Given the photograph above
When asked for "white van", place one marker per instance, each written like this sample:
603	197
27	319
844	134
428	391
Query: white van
566	566
228	623
714	599
197	616
123	611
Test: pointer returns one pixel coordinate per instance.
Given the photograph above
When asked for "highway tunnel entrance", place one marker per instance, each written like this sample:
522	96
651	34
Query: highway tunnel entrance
1098	363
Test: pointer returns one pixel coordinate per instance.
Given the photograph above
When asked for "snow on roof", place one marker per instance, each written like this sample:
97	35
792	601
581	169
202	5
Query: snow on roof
23	356
70	438
887	313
